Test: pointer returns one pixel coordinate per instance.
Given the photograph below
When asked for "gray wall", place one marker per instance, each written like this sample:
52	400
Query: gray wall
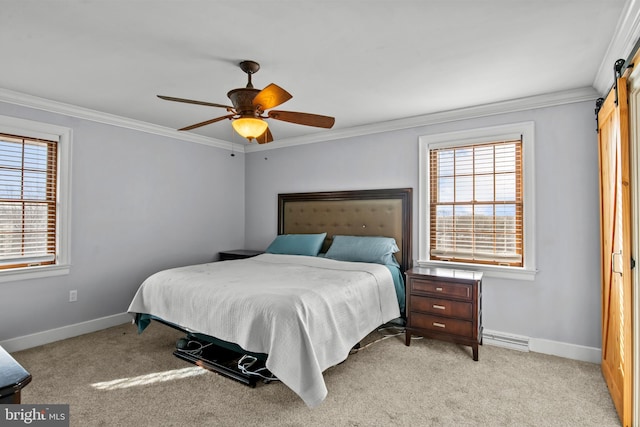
563	302
140	203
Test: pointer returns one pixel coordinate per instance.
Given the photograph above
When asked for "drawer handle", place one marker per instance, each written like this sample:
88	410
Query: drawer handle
439	325
439	307
439	289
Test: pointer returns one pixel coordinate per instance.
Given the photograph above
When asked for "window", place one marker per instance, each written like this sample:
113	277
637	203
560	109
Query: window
28	183
476	192
34	182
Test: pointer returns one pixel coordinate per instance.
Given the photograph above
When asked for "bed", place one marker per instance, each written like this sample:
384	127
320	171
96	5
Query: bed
305	303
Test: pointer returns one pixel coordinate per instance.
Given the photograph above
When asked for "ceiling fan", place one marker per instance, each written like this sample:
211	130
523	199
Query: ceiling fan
248	112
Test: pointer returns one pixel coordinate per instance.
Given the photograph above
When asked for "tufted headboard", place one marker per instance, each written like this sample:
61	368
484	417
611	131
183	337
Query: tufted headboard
354	213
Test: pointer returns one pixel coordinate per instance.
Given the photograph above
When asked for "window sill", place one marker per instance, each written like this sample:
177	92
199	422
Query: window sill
33	272
488	270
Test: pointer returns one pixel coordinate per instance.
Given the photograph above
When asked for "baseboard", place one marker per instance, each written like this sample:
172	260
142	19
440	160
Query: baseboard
489	337
538	345
64	332
563	349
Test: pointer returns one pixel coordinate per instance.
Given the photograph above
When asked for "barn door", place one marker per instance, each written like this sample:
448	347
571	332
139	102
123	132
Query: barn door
616	262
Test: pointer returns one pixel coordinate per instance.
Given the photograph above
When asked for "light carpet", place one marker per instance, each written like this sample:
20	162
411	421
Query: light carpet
116	377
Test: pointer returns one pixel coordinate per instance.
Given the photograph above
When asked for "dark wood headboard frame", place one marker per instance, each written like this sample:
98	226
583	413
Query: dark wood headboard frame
386	212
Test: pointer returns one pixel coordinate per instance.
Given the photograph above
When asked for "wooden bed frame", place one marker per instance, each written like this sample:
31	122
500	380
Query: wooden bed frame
351	213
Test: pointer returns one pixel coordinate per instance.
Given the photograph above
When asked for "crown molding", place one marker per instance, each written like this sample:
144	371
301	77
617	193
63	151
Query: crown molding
519	104
621	45
31	101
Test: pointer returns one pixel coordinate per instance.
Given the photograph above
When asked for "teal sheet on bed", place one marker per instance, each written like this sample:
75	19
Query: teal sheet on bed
398	282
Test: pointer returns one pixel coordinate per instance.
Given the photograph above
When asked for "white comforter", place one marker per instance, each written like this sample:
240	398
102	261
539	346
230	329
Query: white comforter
306	313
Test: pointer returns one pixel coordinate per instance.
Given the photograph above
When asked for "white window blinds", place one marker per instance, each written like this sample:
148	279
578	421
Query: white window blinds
476	203
28	171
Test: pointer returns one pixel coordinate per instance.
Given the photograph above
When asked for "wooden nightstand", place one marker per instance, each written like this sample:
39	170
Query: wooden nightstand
445	304
238	254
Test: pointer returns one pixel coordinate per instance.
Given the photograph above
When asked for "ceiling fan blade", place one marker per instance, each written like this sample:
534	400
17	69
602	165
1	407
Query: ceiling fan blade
265	137
271	96
192	101
208	122
306	119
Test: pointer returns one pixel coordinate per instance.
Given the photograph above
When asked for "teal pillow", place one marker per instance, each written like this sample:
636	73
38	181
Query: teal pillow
373	249
297	244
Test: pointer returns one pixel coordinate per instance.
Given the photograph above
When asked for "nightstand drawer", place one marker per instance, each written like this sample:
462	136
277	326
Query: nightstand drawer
442	324
435	287
442	307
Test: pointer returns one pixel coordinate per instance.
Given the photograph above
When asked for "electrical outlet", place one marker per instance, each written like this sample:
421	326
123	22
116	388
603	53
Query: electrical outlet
73	295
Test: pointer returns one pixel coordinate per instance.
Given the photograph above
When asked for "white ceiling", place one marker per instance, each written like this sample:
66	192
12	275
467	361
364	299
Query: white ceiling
362	62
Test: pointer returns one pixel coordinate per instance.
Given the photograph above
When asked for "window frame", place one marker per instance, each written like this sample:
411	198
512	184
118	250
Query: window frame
472	137
63	136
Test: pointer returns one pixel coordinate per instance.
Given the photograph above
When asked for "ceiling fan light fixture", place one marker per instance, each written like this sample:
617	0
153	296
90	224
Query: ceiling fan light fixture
249	127
250	106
